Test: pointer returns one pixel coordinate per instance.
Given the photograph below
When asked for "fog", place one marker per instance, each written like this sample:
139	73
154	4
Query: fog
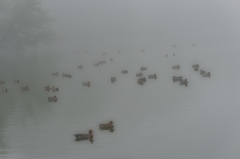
153	25
159	119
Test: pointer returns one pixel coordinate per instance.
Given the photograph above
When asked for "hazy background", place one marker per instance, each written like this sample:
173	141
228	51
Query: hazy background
160	119
153	25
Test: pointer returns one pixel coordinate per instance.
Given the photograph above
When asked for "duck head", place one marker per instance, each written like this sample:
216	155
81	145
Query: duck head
90	131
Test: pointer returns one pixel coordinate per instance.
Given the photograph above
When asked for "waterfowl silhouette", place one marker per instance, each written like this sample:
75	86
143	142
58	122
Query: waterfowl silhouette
142	80
89	136
52	99
86	83
179	78
113	79
139	74
184	82
176	67
154	76
108	126
143	68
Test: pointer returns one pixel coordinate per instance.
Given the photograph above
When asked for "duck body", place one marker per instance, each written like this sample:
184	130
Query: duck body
52	99
179	78
80	137
124	71
113	79
105	127
196	67
47	88
154	76
184	82
176	67
25	88
143	68
86	83
142	80
108	126
55	89
139	74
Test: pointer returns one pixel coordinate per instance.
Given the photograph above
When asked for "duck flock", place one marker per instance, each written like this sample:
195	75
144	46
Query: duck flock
141	80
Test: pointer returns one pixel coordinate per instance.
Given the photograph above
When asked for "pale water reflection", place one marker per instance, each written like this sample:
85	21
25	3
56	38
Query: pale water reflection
160	119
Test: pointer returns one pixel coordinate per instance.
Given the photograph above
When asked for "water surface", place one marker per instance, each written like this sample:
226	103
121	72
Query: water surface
160	119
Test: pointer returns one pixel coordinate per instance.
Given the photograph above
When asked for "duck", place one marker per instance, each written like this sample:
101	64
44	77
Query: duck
184	82
47	88
108	126
88	136
25	88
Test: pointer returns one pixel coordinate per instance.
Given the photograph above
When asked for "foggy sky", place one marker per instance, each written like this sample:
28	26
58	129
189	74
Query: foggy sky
135	24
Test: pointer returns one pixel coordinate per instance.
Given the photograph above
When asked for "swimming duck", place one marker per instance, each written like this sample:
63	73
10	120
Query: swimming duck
81	66
124	71
176	67
86	83
206	74
139	74
54	89
25	88
52	99
88	136
142	80
47	88
154	76
184	82
196	67
113	79
143	68
179	78
108	126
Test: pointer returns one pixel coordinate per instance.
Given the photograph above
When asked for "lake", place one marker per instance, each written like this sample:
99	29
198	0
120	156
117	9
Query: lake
160	119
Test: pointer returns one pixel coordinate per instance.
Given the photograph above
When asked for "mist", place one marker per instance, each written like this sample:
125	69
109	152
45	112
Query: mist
158	119
153	25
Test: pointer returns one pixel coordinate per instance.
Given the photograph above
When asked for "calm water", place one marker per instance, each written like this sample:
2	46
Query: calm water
160	119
